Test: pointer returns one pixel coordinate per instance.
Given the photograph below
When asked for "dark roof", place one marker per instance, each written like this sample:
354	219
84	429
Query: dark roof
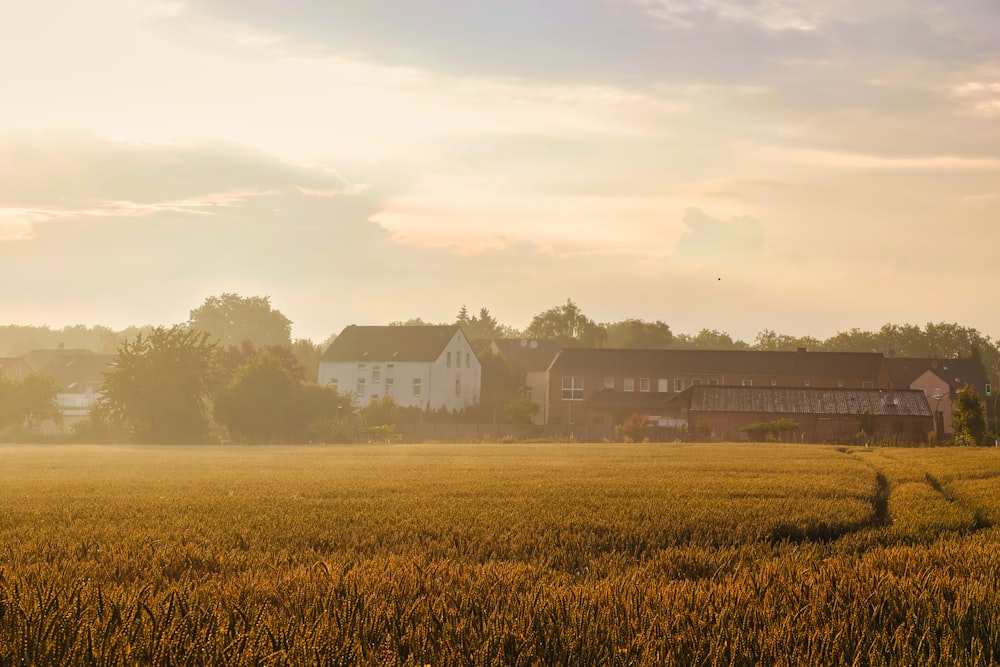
737	362
392	343
956	372
75	373
803	401
39	359
531	355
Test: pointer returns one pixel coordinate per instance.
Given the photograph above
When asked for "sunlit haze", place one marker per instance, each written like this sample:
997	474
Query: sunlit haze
807	166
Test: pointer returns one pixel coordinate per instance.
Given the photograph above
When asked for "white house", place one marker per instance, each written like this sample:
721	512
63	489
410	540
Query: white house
428	367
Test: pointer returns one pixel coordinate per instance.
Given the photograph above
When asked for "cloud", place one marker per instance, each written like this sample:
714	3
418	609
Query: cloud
78	176
711	240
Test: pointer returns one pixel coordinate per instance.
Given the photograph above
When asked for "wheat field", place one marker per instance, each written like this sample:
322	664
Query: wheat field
523	554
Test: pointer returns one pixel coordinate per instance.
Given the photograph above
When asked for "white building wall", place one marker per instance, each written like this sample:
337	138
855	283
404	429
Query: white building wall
437	379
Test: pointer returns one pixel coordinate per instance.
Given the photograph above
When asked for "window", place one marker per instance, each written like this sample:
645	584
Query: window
389	385
333	383
359	389
678	384
643	384
572	388
629	384
389	368
458	387
448	360
696	381
468	360
417	386
361	368
713	382
609	383
663	385
376	374
747	383
867	384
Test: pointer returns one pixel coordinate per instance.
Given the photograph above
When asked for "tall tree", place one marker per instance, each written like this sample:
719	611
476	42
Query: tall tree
968	416
231	319
567	326
160	384
482	326
28	401
261	402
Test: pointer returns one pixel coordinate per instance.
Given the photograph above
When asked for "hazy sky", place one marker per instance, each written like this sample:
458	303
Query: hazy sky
835	162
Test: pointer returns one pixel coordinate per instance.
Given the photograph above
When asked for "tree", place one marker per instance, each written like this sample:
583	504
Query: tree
160	384
261	402
483	326
769	340
636	428
379	419
968	416
520	411
708	339
231	319
567	326
36	399
28	401
638	334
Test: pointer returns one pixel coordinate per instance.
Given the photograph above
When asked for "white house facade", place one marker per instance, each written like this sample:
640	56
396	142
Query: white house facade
428	367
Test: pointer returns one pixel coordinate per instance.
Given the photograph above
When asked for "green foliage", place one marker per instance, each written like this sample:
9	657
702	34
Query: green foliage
160	384
968	417
261	403
638	334
501	381
379	419
635	429
231	319
520	411
483	326
567	326
772	341
27	402
771	431
708	339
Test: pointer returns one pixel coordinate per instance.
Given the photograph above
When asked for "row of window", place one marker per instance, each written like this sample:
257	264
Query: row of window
361	388
572	386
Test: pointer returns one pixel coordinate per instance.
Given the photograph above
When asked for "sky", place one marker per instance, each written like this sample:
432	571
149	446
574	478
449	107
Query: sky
806	166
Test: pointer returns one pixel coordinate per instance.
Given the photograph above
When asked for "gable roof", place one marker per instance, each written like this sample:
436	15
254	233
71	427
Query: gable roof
736	362
956	372
39	359
390	343
76	373
529	354
778	400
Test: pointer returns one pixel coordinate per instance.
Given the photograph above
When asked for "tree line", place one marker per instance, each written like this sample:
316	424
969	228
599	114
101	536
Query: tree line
232	319
233	371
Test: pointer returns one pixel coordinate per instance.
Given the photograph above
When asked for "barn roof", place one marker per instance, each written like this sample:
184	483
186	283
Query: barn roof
803	401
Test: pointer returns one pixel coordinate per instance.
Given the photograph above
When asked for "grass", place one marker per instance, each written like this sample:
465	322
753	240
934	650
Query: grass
726	554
